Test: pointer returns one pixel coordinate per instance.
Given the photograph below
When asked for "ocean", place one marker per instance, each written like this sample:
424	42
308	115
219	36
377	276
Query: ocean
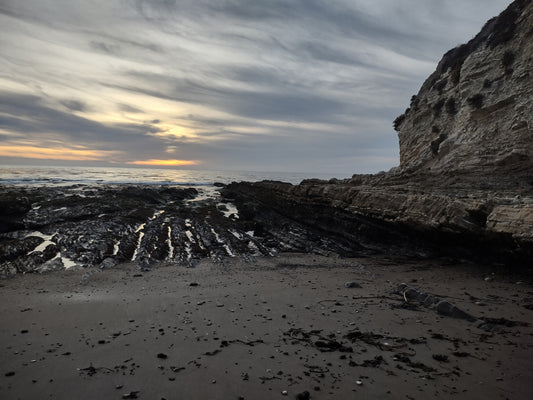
66	176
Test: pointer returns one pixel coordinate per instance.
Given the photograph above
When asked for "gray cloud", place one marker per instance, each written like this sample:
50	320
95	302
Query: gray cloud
129	109
74	105
29	114
246	83
105	47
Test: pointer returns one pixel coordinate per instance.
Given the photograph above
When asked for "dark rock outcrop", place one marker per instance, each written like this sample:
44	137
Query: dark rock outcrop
48	229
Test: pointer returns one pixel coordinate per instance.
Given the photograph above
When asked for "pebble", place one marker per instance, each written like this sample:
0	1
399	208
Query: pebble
359	382
284	393
352	285
303	396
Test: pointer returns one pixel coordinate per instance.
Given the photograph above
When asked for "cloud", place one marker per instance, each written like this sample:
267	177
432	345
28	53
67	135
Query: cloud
234	83
74	105
105	47
37	124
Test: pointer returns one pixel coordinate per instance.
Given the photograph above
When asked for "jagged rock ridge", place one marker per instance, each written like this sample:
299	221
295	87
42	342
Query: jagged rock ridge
53	228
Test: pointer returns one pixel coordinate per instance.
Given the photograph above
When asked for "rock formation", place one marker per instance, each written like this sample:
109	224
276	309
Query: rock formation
475	111
464	187
52	228
465	183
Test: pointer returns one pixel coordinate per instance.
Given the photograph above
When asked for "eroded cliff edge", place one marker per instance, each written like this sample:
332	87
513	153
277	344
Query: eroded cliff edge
464	186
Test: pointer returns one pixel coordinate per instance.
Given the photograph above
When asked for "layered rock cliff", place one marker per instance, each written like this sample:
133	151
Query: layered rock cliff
475	111
464	186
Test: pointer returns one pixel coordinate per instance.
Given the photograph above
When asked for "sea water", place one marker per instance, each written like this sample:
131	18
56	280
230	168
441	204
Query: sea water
65	176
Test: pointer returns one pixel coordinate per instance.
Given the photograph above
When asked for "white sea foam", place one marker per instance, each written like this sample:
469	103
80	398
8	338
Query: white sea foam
67	262
139	241
236	234
156	214
230	210
116	247
224	245
41	247
169	242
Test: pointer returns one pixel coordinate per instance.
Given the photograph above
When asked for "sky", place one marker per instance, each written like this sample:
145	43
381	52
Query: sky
270	85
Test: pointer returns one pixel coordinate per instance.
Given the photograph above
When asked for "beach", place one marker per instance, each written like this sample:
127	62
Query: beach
292	326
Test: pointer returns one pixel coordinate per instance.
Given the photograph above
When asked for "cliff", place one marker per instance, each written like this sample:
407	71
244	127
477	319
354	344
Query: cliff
464	186
475	111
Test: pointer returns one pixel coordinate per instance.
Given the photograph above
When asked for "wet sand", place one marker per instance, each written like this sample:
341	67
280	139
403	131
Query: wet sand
283	327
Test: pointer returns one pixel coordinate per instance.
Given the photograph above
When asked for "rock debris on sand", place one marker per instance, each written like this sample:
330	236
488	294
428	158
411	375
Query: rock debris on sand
292	329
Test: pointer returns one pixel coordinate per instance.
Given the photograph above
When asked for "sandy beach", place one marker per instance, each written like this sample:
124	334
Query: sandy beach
293	326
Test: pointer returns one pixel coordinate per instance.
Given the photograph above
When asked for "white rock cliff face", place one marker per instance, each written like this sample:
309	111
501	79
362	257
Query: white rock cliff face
476	110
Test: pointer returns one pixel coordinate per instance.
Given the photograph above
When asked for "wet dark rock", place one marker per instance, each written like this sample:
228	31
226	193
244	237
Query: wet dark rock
352	285
443	307
303	395
108	262
440	357
461	354
50	266
106	225
504	322
413	364
374	362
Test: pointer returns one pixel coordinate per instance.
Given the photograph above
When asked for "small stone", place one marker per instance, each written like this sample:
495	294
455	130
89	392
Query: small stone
163	356
130	395
10	373
352	285
284	393
303	396
359	382
194	284
440	357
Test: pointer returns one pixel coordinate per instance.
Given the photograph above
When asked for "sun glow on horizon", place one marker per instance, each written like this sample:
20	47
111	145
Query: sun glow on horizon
164	162
62	153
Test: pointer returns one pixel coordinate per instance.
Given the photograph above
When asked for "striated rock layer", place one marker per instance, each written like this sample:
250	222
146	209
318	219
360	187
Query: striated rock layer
465	182
475	111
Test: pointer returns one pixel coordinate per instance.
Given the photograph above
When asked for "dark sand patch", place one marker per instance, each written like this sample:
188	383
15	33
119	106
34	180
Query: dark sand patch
256	330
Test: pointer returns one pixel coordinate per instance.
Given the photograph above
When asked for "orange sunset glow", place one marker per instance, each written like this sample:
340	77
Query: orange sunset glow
165	162
62	153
